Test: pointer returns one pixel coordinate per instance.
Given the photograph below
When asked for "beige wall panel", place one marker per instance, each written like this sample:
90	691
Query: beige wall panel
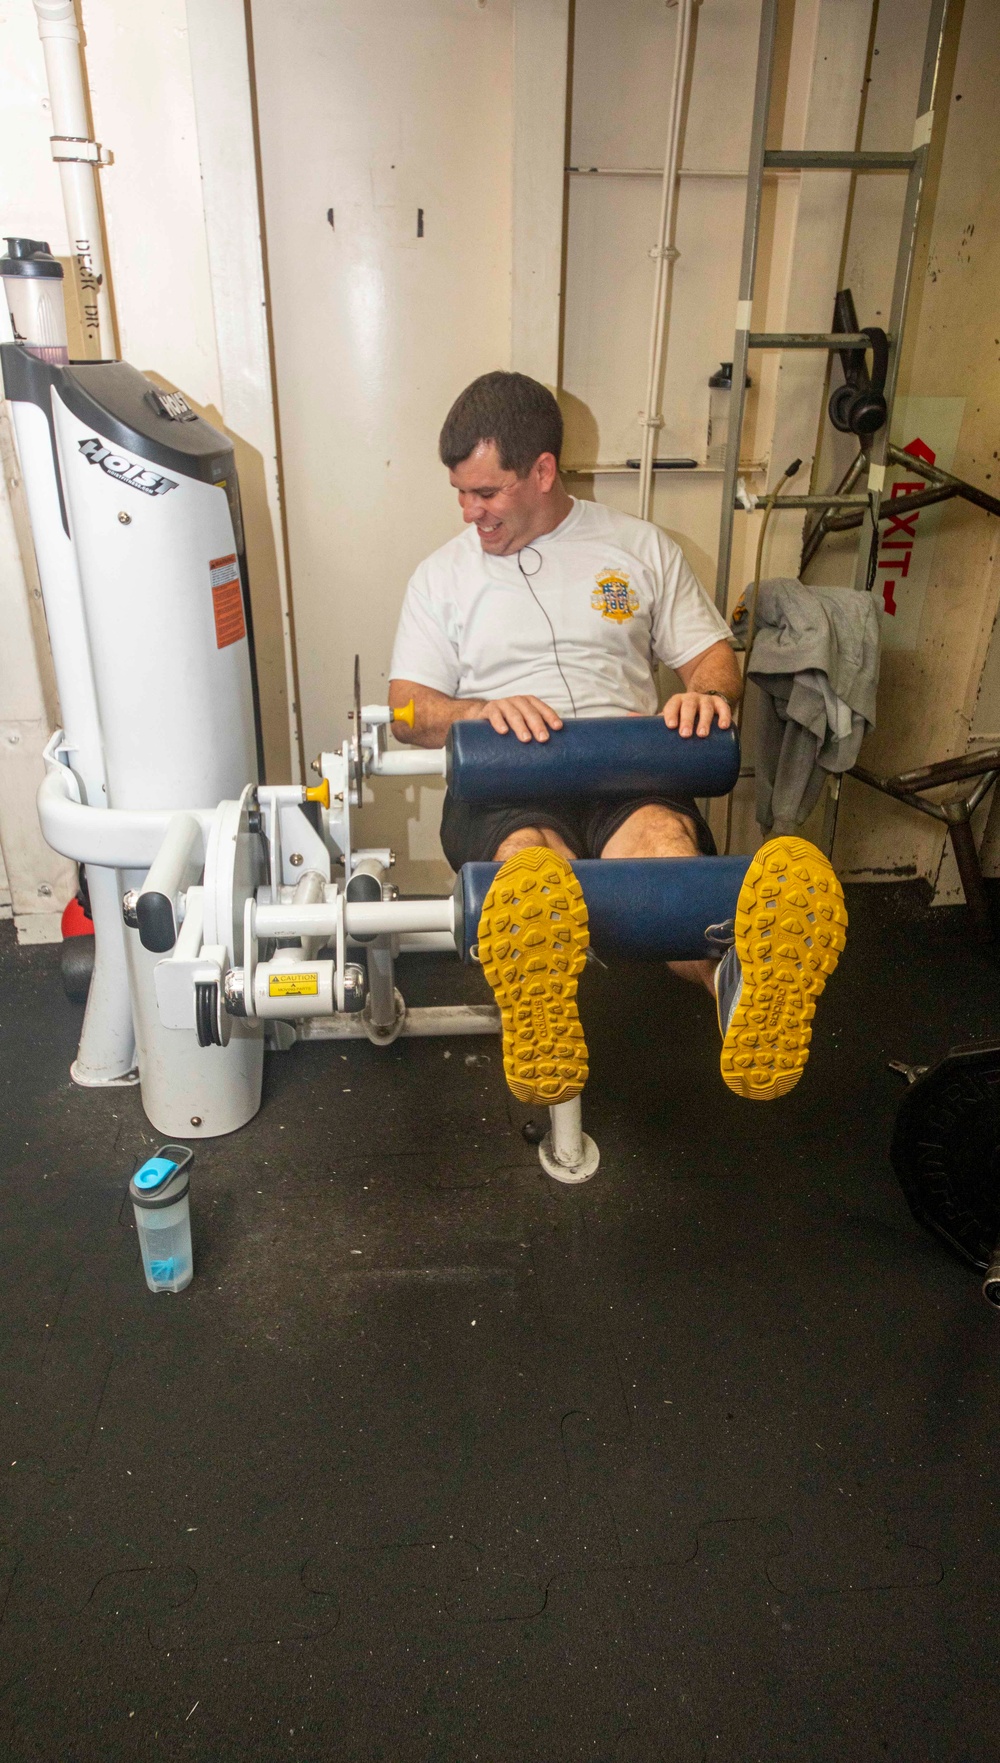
227	157
541	45
376	111
139	73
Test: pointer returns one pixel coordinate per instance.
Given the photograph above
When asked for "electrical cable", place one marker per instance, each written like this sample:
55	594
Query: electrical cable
541	608
790	472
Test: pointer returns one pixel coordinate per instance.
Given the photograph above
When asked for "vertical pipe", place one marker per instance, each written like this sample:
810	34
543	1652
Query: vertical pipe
76	155
748	268
381	984
106	1053
566	1120
566	1153
665	253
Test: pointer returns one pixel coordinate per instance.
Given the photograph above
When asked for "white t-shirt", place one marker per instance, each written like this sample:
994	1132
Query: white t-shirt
618	593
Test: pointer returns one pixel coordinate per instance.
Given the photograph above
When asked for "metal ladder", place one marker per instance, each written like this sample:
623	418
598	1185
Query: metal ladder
914	162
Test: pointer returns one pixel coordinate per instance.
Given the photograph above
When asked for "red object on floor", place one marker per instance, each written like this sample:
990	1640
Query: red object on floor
75	922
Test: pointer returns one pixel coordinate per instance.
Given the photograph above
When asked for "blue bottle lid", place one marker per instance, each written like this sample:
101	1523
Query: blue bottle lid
154	1171
163	1178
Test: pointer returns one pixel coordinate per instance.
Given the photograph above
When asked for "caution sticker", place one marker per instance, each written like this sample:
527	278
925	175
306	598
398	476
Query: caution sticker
293	985
227	601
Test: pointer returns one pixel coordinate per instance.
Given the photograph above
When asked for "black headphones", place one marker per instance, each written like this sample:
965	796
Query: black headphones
858	407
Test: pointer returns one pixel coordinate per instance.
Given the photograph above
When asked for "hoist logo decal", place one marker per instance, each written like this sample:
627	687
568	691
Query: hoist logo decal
127	471
614	597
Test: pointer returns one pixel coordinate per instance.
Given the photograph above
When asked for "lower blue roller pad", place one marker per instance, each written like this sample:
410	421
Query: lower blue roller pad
640	908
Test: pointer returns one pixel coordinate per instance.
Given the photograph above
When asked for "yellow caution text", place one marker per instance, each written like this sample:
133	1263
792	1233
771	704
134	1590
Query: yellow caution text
293	985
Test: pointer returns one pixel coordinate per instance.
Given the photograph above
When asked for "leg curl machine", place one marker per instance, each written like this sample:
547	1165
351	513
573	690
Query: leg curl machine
237	932
255	936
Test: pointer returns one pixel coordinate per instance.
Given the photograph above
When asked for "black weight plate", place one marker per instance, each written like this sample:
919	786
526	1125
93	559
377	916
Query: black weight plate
76	963
946	1150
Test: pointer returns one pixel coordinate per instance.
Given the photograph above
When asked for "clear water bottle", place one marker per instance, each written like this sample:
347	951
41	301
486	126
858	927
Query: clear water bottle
33	284
160	1200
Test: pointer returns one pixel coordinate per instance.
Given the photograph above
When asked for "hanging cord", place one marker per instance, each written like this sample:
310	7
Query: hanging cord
541	608
791	471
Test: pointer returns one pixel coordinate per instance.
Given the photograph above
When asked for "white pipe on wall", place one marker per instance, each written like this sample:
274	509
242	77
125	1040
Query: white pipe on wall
665	252
77	157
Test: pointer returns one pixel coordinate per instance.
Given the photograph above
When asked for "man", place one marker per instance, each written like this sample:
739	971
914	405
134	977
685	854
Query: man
545	607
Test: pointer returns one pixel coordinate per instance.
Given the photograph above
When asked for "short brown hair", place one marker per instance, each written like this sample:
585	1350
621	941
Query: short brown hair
518	414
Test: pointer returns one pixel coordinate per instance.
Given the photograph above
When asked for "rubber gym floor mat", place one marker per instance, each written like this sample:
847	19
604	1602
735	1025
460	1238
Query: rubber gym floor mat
438	1461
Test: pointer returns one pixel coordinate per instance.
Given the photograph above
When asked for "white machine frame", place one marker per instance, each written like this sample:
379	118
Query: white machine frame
244	900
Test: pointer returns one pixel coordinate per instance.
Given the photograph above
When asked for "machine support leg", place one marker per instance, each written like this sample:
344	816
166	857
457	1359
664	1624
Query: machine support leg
566	1153
381	984
106	1054
384	1012
967	858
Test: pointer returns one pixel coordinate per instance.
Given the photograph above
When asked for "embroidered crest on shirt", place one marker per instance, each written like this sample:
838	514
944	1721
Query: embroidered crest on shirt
614	598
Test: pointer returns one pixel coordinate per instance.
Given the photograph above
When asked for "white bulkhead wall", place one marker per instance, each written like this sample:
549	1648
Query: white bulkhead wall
386	151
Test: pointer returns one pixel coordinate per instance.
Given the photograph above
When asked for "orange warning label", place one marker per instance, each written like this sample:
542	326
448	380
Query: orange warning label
227	601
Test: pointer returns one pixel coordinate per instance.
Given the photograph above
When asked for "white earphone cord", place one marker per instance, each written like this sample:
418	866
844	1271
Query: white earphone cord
541	608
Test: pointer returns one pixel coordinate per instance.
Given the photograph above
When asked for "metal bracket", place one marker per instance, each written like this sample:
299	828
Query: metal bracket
78	150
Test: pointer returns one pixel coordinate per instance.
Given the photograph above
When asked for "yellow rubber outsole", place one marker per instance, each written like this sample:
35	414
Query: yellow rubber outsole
791	925
533	941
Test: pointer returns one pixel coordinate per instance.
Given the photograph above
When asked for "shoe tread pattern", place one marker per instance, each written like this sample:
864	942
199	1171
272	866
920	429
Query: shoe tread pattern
533	940
791	925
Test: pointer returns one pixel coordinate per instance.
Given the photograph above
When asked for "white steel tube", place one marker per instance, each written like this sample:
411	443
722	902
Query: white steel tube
362	918
443	1019
179	859
114	838
310	890
288	988
664	254
566	1120
63	601
427	942
106	1053
411	762
78	176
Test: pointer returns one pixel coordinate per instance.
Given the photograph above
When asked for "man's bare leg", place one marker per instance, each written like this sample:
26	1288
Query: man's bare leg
654	831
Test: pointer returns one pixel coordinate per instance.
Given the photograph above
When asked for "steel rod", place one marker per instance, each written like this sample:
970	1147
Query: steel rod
832	159
446	1019
809	340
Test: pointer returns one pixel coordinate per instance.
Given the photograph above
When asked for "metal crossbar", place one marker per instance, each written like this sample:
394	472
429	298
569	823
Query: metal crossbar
956	813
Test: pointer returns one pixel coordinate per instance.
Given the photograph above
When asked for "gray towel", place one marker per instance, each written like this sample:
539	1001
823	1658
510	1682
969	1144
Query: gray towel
815	659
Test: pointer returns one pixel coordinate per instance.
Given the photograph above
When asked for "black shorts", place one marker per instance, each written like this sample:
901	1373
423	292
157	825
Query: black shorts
473	832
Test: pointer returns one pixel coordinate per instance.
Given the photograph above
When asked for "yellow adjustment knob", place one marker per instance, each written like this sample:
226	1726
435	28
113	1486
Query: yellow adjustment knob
405	715
318	793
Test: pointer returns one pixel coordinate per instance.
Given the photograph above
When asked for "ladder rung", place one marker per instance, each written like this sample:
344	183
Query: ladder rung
808	340
833	160
809	502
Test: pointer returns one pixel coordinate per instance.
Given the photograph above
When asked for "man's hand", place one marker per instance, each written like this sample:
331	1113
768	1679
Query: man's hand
526	717
694	712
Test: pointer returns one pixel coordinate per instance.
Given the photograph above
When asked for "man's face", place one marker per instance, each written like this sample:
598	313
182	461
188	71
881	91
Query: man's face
507	511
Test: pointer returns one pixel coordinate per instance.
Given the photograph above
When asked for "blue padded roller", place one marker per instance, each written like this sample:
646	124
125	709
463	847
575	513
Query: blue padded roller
593	756
640	908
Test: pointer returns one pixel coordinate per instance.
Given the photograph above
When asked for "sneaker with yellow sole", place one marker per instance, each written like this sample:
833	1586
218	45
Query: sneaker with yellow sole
533	941
789	932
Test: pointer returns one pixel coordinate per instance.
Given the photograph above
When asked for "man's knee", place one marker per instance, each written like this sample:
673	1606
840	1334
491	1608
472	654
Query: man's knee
654	831
526	836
